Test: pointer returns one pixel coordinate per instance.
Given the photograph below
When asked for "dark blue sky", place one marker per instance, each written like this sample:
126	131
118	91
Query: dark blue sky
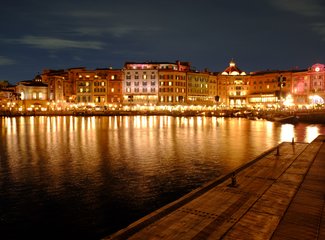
257	34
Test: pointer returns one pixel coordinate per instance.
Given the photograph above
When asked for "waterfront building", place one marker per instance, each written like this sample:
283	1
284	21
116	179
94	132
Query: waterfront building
140	85
265	89
115	86
60	88
155	83
7	96
309	86
233	86
169	84
198	88
213	95
32	95
172	84
86	82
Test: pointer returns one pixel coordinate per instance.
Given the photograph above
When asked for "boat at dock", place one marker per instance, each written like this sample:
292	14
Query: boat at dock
286	119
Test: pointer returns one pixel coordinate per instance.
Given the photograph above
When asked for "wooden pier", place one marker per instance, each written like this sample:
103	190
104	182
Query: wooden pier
279	195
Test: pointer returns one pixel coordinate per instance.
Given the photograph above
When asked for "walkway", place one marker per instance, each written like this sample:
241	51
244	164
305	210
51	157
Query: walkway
280	195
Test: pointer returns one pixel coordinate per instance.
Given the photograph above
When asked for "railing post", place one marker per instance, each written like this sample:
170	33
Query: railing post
277	151
233	181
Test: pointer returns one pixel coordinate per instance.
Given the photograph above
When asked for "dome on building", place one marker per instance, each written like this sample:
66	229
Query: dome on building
38	78
233	70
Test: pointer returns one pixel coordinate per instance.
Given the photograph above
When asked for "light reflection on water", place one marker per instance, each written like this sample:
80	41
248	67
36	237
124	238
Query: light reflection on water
86	177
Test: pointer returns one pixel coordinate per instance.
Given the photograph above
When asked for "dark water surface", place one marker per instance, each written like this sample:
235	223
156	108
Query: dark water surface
87	177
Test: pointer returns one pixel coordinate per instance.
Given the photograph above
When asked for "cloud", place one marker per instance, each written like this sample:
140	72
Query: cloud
6	61
309	8
57	43
320	29
86	14
90	22
116	31
312	9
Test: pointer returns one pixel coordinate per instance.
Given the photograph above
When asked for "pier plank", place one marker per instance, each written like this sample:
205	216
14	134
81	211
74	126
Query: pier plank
280	196
304	218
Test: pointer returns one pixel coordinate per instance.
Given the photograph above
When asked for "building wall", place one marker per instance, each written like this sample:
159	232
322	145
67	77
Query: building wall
172	87
163	83
198	88
115	86
140	85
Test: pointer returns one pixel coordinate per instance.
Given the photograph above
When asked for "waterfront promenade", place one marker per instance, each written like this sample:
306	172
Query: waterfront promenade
278	195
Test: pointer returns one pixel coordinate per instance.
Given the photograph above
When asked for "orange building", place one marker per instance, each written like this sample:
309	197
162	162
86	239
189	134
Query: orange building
172	87
233	86
166	83
33	94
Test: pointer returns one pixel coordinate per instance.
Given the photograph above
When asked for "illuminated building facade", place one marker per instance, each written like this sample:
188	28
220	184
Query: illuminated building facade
308	87
140	85
171	84
84	87
198	88
264	89
155	83
115	85
213	96
32	95
172	87
233	86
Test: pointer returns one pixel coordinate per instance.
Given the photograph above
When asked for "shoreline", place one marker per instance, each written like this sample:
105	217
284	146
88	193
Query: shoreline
307	116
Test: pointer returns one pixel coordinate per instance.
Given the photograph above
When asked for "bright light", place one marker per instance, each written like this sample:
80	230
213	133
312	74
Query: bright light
288	101
315	99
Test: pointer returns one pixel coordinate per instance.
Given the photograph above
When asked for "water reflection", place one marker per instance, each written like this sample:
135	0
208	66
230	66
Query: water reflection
84	173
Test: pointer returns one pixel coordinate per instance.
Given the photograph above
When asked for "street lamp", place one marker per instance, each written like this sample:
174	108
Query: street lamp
281	83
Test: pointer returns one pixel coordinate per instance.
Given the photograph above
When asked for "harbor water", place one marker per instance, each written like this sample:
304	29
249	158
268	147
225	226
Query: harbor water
78	177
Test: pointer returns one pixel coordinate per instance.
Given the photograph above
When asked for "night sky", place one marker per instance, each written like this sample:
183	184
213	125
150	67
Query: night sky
258	34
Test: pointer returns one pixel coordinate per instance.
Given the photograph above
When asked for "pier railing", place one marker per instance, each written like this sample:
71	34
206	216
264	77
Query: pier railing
158	214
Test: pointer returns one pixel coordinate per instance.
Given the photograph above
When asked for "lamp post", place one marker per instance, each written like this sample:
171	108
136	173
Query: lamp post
281	83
